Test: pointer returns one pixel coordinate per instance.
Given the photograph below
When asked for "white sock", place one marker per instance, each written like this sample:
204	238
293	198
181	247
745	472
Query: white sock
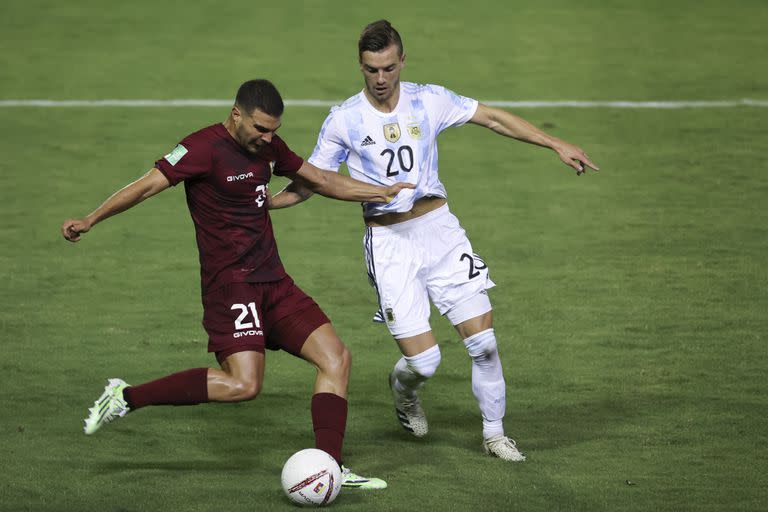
488	381
412	372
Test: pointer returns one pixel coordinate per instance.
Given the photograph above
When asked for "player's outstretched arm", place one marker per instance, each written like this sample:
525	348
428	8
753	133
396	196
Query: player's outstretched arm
510	125
127	197
337	186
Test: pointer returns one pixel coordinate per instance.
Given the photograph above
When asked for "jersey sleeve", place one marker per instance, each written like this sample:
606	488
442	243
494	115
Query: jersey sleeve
331	150
451	108
191	158
286	161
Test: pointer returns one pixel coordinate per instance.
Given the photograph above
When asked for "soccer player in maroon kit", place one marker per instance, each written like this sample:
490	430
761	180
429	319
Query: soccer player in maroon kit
249	301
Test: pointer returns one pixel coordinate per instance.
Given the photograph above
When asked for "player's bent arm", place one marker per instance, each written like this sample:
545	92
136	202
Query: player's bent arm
510	125
127	197
337	186
291	195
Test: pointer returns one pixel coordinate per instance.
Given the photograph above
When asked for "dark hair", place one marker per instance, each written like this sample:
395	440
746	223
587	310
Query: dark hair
377	36
260	94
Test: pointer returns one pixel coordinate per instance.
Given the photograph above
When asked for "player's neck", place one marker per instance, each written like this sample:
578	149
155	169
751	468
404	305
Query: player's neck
386	106
229	124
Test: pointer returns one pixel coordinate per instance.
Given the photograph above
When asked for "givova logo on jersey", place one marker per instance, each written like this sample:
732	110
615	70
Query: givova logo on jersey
261	190
241	176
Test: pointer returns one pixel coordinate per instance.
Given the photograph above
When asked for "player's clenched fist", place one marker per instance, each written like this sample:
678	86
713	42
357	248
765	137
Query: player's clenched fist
393	190
72	229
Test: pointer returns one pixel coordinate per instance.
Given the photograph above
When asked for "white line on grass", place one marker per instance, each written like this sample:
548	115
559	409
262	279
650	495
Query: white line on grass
745	102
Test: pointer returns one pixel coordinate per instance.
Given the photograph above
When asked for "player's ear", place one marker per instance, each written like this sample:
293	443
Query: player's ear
236	115
402	60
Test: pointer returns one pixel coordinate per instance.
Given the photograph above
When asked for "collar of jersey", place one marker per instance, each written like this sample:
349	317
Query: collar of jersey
379	113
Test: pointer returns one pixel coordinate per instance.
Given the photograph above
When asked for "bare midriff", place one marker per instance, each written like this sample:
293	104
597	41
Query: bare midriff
420	207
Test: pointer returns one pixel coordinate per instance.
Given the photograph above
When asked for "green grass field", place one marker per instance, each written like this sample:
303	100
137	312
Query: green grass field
630	307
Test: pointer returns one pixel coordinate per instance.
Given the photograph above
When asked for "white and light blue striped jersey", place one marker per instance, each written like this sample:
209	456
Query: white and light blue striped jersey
385	148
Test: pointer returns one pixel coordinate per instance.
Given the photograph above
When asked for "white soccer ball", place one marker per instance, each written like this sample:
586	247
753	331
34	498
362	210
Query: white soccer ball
311	477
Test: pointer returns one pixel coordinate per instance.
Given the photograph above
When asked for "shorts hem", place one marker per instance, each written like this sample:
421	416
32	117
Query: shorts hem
407	333
225	352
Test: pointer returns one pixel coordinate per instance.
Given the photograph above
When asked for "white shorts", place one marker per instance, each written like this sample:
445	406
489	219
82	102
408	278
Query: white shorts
425	258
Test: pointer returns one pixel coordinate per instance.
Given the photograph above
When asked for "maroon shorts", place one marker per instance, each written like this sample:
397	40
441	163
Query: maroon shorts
255	316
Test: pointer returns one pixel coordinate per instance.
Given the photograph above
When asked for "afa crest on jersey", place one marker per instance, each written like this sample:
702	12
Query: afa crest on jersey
392	132
414	130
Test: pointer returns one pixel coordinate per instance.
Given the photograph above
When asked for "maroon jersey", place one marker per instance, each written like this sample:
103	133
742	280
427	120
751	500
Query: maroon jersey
226	189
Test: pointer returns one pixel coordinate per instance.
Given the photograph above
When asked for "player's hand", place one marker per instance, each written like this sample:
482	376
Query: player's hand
72	229
393	190
575	157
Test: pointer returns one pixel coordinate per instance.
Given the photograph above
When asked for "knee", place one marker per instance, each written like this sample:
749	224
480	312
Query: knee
345	360
240	390
342	363
481	345
337	362
426	363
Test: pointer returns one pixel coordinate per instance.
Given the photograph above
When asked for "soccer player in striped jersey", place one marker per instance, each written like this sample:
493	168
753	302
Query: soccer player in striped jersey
415	248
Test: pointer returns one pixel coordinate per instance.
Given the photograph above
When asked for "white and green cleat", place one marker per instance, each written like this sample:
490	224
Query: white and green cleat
350	480
109	406
409	411
504	448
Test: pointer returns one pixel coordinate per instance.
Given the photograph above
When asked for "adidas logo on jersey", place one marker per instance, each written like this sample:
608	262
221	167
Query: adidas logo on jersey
368	141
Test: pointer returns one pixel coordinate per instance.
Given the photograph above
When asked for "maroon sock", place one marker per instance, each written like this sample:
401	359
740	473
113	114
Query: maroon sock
189	387
329	419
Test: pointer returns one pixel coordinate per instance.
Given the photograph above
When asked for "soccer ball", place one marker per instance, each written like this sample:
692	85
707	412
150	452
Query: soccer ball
311	477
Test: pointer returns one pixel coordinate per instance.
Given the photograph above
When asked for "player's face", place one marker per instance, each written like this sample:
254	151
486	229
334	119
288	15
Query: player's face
381	71
255	130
